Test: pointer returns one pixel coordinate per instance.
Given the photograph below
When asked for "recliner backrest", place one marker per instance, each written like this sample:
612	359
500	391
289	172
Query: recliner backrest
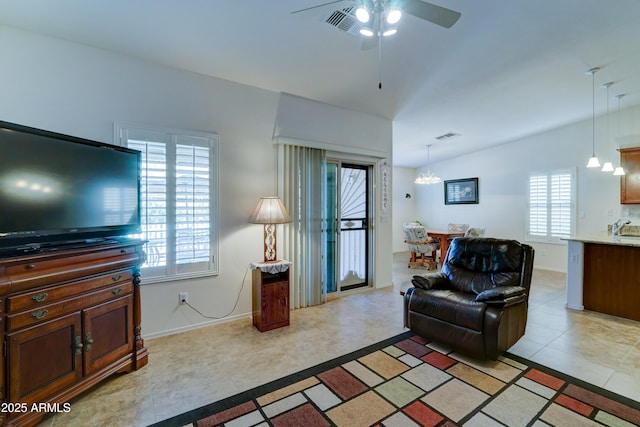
477	264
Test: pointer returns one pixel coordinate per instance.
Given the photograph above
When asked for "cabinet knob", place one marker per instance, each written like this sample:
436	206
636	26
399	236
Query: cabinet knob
30	266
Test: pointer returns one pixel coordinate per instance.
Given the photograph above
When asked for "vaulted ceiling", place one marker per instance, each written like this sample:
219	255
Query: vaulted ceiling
505	70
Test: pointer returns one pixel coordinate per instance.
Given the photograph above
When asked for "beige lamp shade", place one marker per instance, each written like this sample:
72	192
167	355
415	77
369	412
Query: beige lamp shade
270	210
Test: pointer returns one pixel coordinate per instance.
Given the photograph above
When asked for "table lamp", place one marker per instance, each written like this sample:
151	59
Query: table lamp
270	211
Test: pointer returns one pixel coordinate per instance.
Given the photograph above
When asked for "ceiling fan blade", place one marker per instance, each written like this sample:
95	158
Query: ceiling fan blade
430	12
317	6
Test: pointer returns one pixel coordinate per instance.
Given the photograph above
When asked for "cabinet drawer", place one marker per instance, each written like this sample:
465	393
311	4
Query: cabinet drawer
42	297
46	312
27	274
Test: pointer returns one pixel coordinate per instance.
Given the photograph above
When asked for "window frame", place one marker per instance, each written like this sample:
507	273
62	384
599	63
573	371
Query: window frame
549	236
172	138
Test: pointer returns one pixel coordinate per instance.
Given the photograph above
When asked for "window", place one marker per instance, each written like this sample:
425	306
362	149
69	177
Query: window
551	205
178	200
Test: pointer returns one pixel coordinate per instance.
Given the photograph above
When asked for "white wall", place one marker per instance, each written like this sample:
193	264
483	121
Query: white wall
503	177
81	91
404	208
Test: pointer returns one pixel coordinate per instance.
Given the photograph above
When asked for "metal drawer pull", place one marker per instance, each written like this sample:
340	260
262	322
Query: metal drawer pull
88	340
39	314
116	277
40	297
30	266
116	291
78	345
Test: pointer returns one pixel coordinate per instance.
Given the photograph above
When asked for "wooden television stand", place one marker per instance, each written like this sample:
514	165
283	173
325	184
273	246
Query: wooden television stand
71	318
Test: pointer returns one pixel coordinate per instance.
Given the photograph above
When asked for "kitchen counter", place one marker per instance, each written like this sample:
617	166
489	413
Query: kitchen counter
603	274
606	238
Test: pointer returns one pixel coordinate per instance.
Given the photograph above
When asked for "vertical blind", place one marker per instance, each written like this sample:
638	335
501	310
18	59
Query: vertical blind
551	205
301	187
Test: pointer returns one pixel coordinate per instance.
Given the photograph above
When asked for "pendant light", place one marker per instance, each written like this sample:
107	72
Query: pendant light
607	166
429	177
593	160
619	170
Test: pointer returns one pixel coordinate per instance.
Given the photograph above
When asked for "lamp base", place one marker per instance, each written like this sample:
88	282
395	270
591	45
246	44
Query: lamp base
270	243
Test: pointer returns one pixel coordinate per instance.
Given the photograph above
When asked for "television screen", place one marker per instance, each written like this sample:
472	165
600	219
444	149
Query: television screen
57	188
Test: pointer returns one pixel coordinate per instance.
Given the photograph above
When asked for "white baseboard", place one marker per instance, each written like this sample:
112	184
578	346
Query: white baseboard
194	326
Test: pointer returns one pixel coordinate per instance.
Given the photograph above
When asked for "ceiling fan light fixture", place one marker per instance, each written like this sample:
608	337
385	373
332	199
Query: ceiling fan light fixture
393	16
366	31
362	14
389	31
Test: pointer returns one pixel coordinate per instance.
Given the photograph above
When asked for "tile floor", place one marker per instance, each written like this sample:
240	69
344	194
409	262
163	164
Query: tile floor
194	368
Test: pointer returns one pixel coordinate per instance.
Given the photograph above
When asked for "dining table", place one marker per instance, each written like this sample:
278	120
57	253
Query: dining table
444	237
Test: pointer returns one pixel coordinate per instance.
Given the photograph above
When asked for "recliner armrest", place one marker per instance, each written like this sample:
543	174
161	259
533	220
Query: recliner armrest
503	296
430	281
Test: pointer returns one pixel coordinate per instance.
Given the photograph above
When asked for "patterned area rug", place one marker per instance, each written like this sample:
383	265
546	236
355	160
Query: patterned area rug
405	382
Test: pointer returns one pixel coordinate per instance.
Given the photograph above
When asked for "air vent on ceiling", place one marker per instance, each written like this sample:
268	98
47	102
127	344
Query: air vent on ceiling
344	20
447	136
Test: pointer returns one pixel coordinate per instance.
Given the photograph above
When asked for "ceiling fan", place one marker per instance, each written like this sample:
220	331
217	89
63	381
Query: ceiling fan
379	17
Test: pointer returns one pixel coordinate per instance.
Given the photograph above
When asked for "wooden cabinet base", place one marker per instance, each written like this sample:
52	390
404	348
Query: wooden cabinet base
57	402
72	319
270	300
611	280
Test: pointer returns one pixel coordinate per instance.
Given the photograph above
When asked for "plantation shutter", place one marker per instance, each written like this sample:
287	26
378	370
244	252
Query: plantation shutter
192	202
538	205
561	203
178	201
551	214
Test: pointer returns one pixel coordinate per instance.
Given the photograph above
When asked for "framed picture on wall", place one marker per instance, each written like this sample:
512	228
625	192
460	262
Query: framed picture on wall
461	191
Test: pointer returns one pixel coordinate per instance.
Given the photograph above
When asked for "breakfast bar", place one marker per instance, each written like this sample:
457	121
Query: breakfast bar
603	274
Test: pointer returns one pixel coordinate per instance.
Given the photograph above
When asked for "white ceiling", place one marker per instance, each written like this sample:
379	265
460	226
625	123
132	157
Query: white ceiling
506	69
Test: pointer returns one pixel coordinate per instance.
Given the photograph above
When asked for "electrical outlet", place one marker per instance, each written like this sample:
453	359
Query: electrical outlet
183	297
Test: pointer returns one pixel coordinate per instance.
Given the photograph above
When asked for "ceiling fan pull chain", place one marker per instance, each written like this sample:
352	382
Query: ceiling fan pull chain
380	62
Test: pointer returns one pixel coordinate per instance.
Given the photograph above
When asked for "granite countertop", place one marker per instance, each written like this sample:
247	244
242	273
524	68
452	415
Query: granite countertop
606	238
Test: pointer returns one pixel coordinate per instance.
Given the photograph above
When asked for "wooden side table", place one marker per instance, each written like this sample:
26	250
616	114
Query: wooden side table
270	300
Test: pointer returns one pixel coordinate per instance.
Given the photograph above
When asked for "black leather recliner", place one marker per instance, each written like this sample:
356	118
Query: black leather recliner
477	304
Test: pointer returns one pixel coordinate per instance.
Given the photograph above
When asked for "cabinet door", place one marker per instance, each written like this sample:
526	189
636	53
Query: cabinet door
44	359
630	182
108	333
275	306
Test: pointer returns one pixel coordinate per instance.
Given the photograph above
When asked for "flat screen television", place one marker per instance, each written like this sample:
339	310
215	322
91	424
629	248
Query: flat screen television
58	190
